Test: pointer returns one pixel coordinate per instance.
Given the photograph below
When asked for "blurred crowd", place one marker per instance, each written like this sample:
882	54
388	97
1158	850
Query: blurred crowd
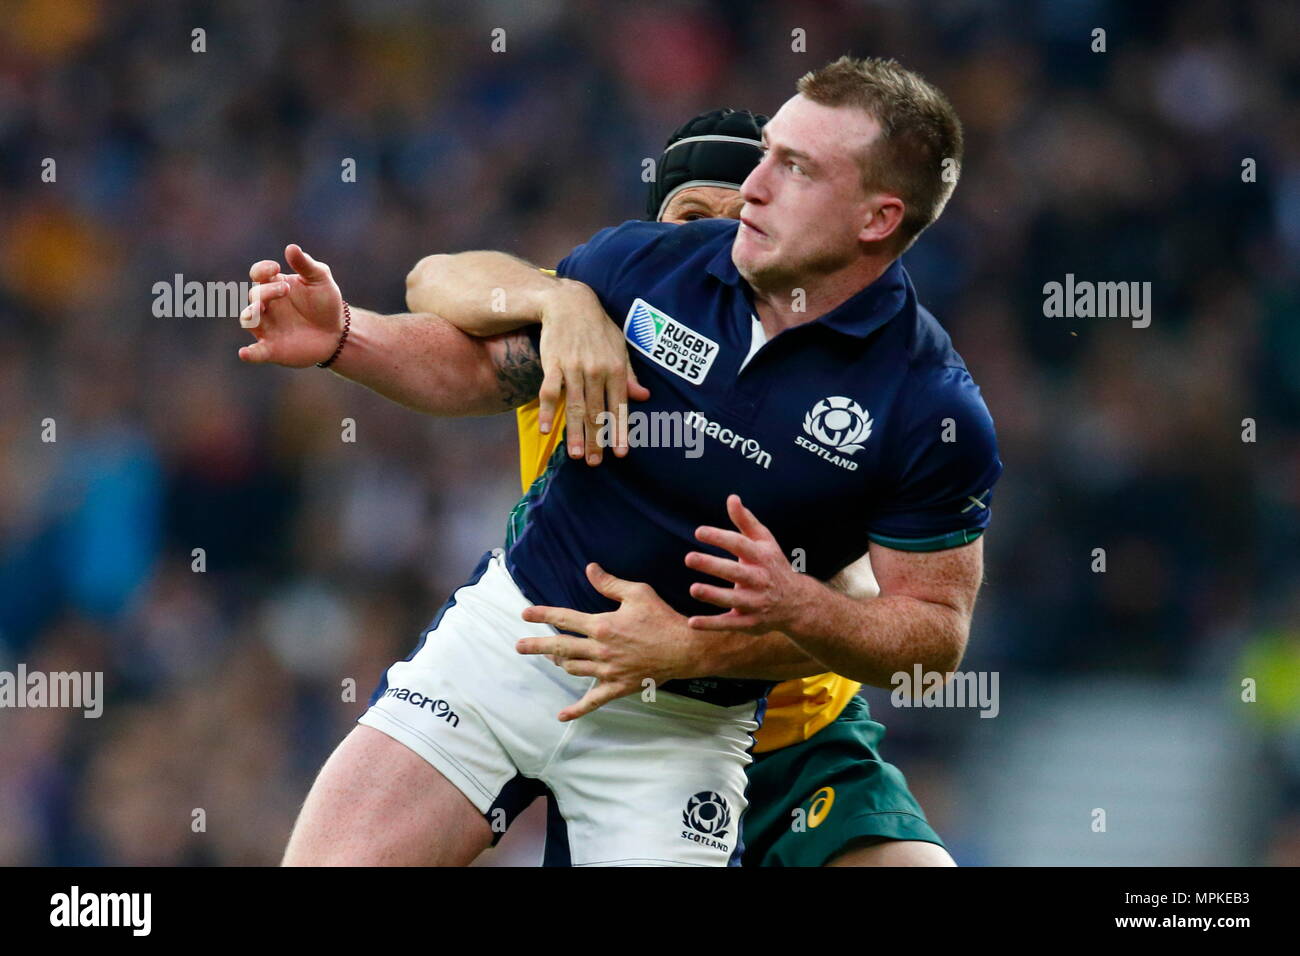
199	531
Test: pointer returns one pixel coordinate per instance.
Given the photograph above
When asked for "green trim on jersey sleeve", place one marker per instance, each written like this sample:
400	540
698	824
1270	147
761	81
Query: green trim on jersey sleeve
940	543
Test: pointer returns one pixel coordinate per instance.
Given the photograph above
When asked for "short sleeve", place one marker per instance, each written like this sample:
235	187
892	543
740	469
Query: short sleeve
602	260
948	453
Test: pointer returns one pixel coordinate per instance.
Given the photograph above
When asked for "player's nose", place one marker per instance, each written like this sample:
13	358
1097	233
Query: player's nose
754	189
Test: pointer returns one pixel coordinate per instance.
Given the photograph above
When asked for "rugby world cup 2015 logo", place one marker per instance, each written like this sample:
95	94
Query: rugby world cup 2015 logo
669	343
706	819
840	426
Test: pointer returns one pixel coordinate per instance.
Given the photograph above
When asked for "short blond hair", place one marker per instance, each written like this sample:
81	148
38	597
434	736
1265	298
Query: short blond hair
919	131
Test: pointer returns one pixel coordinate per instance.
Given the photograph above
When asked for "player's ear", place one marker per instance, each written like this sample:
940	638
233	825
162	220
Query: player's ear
884	217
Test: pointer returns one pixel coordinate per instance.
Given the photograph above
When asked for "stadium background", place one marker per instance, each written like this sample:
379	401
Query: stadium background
1119	690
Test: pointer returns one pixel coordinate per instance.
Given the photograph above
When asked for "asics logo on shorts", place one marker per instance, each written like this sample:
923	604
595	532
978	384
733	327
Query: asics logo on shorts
437	707
820	808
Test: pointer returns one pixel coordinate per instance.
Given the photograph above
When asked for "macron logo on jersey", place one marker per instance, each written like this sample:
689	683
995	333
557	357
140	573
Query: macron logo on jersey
667	342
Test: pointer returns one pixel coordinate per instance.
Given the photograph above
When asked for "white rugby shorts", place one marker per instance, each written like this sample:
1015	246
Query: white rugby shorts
636	783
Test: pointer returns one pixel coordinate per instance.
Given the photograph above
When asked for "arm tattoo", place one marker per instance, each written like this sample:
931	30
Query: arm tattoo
518	368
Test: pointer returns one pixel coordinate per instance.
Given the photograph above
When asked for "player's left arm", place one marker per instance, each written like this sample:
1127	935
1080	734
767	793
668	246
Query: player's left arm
926	548
922	615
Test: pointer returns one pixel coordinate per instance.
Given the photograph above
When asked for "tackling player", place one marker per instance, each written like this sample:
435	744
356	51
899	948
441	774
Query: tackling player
819	792
854	170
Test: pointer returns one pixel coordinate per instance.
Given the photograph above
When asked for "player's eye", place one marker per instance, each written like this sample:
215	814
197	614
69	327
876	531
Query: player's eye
692	216
797	169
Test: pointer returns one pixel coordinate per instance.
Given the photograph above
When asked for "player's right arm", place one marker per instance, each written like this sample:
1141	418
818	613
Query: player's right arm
770	656
487	293
584	357
420	361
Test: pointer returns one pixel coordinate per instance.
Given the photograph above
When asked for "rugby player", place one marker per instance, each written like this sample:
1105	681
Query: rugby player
819	792
854	170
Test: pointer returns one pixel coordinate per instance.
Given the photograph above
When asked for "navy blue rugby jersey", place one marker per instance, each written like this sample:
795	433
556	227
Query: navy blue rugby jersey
861	425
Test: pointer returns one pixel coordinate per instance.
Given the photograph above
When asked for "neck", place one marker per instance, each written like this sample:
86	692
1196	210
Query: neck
793	302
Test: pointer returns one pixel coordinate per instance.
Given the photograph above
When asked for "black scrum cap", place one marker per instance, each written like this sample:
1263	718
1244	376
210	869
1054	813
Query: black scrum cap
718	148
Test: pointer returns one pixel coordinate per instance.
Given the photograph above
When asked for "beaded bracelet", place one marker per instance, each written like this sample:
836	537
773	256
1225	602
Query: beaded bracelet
347	324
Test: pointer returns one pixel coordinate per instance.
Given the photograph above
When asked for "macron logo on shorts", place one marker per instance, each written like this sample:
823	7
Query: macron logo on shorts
437	707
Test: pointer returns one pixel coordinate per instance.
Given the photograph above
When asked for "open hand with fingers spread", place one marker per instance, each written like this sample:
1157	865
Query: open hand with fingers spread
644	638
297	318
768	593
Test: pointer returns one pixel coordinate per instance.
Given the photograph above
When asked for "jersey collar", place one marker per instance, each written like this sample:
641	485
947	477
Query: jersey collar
859	315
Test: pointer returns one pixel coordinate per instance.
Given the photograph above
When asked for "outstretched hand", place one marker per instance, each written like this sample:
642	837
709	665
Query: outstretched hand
767	593
296	318
643	639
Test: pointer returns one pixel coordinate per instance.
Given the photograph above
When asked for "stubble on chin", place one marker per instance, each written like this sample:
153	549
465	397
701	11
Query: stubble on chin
762	273
780	277
774	276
